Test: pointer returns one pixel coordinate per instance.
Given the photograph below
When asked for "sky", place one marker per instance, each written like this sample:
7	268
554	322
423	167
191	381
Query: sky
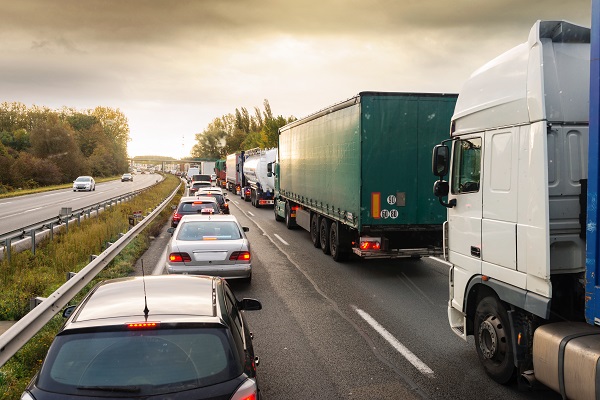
173	66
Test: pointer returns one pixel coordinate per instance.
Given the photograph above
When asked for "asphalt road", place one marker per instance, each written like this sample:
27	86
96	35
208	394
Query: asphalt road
354	330
18	212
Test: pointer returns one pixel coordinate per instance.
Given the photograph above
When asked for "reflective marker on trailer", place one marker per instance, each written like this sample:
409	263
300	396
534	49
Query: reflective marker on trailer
375	205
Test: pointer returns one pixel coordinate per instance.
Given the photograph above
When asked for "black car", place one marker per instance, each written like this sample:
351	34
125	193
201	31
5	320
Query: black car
166	336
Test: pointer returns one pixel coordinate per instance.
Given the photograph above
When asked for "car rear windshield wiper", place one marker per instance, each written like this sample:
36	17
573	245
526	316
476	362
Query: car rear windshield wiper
124	389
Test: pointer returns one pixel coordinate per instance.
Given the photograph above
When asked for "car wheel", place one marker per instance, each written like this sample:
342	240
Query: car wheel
324	235
493	340
314	230
336	243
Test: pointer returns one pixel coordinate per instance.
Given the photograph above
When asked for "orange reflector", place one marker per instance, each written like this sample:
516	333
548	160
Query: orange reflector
375	205
485	278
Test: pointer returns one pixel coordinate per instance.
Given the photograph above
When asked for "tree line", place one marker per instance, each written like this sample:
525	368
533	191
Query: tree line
238	131
40	146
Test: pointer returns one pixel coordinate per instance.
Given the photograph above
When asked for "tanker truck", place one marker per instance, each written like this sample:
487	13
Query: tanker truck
521	238
260	182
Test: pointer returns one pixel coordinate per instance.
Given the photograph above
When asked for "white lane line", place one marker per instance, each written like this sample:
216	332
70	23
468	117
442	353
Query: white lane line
280	239
250	214
413	359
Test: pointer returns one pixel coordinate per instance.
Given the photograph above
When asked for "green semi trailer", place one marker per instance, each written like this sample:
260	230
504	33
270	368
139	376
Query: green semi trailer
357	175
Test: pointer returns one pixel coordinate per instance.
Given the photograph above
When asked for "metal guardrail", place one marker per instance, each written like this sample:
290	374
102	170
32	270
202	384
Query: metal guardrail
65	217
24	329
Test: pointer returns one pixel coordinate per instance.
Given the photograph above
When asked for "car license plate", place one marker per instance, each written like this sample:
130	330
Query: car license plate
210	256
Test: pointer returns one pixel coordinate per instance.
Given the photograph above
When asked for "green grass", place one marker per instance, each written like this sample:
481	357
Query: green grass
28	276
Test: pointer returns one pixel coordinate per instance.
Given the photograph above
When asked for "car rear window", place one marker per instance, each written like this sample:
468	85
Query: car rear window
209	230
152	362
196	207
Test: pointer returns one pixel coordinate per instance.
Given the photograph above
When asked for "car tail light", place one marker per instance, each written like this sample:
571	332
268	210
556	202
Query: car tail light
179	257
240	256
247	391
143	325
177	216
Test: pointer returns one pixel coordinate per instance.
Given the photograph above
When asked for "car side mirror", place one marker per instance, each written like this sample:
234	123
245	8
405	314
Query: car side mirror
245	229
440	159
171	230
68	311
249	305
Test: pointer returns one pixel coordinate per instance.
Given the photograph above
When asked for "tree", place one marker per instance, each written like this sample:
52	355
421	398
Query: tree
54	139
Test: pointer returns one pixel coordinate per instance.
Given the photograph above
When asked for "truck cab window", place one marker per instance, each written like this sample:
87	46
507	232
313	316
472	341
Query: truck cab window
466	171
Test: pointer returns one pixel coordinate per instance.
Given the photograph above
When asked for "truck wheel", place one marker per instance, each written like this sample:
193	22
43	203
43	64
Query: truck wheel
493	341
289	223
314	230
335	243
277	217
324	235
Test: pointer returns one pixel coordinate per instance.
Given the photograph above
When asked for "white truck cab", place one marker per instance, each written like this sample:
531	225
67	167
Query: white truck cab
516	195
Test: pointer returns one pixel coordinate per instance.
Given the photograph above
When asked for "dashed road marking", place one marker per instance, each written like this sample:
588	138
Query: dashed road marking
280	239
406	353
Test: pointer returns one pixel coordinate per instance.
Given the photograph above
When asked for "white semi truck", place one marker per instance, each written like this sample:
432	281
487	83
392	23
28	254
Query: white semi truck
516	230
259	179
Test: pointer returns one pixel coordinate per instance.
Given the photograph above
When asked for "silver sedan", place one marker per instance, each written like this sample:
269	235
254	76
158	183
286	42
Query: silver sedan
213	245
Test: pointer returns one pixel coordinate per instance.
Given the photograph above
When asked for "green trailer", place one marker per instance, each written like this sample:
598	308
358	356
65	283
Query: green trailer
357	175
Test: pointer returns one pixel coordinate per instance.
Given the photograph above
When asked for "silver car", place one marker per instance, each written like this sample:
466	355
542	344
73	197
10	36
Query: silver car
213	245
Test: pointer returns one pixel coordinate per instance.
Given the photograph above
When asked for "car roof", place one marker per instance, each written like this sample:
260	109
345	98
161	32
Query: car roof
213	217
191	199
169	298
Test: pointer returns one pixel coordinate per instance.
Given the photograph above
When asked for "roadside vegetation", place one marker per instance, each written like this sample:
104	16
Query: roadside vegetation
28	276
42	147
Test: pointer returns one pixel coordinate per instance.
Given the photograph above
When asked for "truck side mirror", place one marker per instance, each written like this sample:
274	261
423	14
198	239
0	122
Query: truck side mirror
440	160
441	189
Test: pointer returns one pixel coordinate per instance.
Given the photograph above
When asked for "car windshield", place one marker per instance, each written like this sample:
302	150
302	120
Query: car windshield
148	362
83	179
209	230
200	184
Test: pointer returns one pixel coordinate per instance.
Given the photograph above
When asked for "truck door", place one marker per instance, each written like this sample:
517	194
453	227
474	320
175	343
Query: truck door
464	220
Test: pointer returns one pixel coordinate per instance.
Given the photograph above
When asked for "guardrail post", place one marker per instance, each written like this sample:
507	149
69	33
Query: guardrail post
7	248
78	219
93	257
32	233
70	275
34	302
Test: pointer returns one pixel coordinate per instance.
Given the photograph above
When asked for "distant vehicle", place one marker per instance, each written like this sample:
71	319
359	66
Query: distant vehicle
127	177
257	169
195	185
217	194
213	178
86	183
210	245
195	205
152	338
201	177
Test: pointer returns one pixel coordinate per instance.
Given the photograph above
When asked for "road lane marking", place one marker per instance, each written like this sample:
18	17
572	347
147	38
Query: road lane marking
409	355
250	214
280	239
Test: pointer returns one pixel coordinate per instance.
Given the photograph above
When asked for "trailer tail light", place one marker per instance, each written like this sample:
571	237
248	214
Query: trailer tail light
179	257
370	244
240	256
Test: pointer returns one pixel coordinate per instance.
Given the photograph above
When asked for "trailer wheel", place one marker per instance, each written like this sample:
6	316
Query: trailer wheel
336	245
493	340
324	235
314	230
